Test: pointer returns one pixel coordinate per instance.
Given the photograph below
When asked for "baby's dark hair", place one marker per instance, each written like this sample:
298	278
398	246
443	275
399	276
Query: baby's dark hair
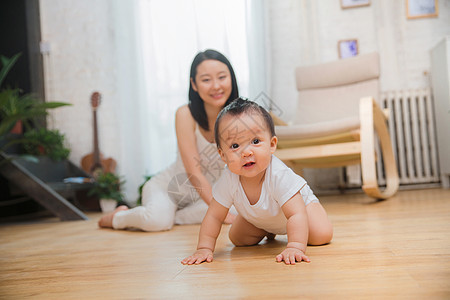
238	107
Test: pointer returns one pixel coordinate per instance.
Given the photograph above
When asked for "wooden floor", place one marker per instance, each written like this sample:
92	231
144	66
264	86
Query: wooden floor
395	249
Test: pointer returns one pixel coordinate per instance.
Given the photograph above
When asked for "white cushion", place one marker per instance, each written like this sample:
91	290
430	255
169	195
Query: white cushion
293	132
342	72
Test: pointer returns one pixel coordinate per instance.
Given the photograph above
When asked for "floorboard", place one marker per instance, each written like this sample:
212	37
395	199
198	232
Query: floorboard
398	248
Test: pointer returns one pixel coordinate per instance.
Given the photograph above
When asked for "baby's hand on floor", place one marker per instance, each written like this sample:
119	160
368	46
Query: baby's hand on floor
198	257
291	255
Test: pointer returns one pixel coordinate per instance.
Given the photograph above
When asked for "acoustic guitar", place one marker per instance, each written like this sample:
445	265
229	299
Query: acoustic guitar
94	162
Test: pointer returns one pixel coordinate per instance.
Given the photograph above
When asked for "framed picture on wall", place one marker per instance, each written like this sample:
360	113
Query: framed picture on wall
348	48
354	3
421	8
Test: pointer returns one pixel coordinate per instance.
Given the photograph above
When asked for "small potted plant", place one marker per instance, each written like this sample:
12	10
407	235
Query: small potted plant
46	142
107	188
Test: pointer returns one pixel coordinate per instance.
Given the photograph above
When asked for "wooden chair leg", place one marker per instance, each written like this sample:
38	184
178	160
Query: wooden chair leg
373	120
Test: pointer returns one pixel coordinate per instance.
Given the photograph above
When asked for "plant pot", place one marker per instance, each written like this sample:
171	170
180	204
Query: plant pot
108	205
18	128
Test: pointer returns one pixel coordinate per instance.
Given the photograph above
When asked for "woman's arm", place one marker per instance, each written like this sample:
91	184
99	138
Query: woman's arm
209	231
187	145
297	231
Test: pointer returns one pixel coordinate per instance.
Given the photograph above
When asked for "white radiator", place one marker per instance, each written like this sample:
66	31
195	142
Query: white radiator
411	126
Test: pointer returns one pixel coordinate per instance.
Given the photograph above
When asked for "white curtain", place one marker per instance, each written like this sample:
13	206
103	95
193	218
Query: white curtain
258	44
156	43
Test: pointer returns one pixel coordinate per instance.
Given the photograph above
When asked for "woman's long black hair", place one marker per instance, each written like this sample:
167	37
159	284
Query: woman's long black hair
196	105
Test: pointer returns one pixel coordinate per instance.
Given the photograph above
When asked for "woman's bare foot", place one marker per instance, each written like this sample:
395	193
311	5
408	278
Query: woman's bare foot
106	220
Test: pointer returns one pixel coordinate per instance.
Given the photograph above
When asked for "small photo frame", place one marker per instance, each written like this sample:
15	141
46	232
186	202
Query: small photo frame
421	9
348	48
354	3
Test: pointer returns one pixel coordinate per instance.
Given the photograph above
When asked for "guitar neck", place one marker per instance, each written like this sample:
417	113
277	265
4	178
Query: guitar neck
97	162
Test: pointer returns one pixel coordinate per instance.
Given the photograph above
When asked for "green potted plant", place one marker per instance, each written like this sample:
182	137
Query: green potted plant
46	142
17	109
107	187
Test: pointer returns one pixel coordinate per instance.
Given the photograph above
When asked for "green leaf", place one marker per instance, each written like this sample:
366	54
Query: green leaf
7	64
51	105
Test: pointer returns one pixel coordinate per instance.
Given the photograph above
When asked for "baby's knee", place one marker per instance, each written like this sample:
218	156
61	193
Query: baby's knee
242	241
321	235
237	242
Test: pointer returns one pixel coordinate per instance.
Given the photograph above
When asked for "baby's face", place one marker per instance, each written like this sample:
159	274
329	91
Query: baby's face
246	144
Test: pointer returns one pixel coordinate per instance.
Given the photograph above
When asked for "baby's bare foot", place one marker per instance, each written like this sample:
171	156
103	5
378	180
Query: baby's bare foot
106	220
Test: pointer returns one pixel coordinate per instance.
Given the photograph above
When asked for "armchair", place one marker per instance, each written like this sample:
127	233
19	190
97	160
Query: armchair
337	122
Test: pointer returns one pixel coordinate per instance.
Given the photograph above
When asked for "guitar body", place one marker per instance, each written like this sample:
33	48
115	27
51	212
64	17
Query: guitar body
89	165
94	162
